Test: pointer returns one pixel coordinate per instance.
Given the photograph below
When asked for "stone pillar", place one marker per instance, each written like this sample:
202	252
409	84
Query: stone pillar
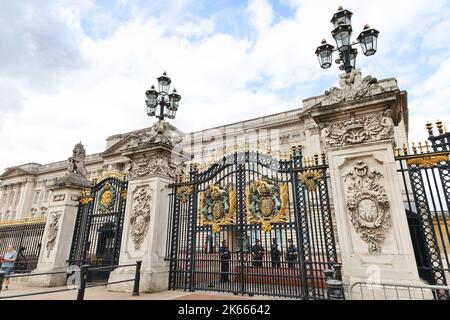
58	234
373	232
146	219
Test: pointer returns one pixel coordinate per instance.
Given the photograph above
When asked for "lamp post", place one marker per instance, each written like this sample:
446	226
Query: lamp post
168	103
342	35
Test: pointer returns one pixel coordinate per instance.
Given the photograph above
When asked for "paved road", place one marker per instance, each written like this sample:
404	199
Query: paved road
101	293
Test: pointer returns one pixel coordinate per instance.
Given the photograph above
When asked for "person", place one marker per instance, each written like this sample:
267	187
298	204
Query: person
291	254
205	247
225	256
275	254
9	260
257	254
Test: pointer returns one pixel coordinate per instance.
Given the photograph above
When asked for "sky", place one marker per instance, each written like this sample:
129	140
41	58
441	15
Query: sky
77	70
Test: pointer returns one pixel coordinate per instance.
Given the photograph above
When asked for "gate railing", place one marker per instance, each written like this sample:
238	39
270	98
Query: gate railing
395	291
425	172
26	237
81	288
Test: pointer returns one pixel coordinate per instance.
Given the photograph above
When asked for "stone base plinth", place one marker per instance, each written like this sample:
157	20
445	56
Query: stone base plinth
48	281
151	280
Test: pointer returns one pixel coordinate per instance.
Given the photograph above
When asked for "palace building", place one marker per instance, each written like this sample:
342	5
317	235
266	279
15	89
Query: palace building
265	206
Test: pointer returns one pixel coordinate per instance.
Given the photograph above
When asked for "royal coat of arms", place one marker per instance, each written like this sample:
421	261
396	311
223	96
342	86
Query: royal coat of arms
107	198
267	203
218	207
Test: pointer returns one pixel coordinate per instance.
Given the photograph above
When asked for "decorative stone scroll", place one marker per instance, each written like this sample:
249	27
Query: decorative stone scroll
218	207
52	232
140	217
368	205
267	203
158	164
352	87
355	131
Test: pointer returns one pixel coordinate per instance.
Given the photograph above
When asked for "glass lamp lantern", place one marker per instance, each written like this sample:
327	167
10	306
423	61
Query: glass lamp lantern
164	83
369	39
342	34
174	102
152	101
325	54
352	57
342	17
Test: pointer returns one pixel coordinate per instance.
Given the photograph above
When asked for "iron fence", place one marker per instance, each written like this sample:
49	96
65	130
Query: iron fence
26	237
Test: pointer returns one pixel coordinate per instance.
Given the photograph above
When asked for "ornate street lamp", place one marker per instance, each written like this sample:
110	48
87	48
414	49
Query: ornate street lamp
168	103
342	35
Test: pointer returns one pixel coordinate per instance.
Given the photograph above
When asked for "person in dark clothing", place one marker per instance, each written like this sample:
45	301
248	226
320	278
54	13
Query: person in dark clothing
257	254
291	254
225	256
275	254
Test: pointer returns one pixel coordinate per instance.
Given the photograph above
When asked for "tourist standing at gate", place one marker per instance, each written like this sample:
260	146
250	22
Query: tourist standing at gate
257	254
292	254
9	260
225	256
275	254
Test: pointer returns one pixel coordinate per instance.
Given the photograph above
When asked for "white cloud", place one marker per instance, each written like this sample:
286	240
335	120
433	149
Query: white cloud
261	14
68	87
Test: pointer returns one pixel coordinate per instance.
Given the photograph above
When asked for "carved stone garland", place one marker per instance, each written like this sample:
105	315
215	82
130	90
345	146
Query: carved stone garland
52	232
140	217
368	205
158	164
355	131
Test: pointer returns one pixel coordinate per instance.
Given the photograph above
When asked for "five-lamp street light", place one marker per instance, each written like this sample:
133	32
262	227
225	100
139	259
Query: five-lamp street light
342	35
168	103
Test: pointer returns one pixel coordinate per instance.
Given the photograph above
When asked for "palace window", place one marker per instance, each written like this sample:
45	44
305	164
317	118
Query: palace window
11	197
47	196
36	197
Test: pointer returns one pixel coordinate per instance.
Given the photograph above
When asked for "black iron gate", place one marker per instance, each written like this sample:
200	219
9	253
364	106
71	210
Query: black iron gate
98	228
244	198
426	176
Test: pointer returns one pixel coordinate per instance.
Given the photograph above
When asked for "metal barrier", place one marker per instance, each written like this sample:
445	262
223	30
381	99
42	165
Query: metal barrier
84	271
395	291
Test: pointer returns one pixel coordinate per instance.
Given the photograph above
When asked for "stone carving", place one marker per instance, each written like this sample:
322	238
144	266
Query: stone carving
353	87
313	129
52	232
368	205
267	203
158	164
76	162
160	132
355	131
140	217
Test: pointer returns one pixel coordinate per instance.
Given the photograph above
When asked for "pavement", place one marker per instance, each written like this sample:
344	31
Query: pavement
102	293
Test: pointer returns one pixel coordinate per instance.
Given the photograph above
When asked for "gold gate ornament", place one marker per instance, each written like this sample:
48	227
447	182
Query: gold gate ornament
218	207
310	179
266	203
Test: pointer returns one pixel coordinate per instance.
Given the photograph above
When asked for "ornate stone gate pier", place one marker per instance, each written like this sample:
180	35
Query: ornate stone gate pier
357	124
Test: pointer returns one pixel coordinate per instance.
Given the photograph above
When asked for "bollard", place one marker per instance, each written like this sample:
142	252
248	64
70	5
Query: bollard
83	278
137	278
2	277
328	274
337	271
335	290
